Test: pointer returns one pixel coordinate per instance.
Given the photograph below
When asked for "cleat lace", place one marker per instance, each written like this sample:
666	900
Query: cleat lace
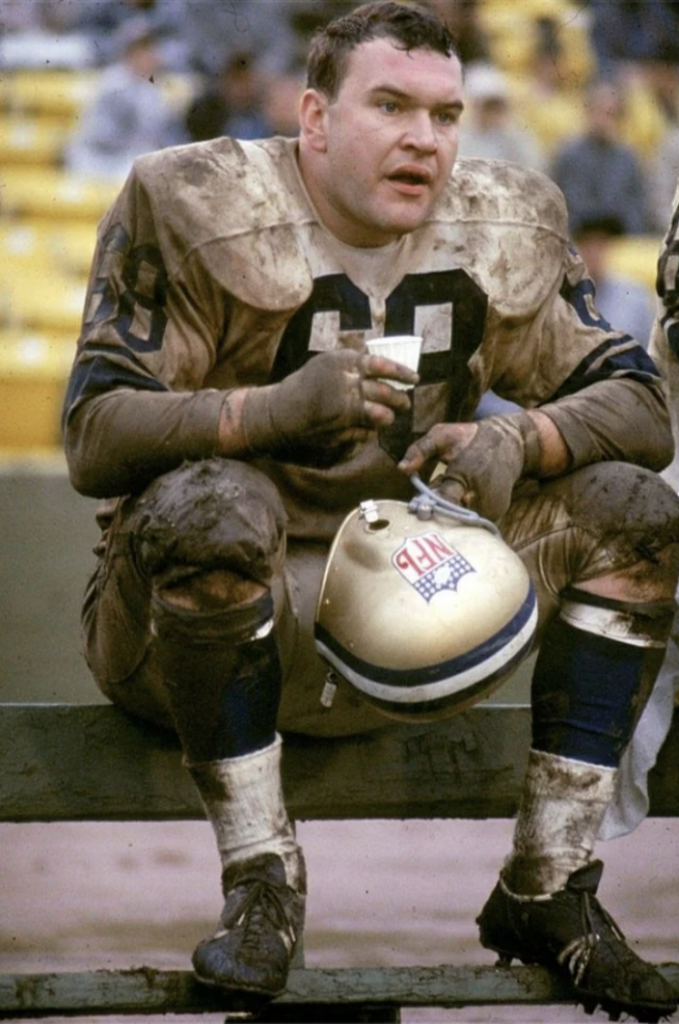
263	904
575	956
570	930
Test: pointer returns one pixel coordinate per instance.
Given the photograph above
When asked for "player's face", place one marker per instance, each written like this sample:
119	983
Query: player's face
389	142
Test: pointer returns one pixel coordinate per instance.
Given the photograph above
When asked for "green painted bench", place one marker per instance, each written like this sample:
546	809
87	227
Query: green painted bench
468	767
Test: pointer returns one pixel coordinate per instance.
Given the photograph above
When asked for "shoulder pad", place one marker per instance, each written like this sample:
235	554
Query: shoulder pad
507	193
236	208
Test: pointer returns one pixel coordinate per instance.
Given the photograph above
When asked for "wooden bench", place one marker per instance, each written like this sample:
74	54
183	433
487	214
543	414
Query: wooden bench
469	767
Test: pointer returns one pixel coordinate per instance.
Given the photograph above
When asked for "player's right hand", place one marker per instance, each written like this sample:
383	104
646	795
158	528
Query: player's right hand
317	414
483	460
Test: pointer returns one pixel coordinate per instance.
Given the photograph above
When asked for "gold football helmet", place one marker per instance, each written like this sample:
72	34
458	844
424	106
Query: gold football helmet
423	607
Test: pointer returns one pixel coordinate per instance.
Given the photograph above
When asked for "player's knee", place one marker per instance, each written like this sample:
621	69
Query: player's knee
631	511
208	590
212	532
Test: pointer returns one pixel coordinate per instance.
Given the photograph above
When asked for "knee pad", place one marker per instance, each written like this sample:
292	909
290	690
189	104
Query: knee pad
640	624
632	511
224	627
212	514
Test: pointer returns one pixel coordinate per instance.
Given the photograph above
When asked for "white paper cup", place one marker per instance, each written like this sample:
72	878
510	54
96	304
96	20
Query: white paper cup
402	348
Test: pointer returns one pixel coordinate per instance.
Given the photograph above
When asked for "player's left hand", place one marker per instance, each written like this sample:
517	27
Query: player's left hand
483	460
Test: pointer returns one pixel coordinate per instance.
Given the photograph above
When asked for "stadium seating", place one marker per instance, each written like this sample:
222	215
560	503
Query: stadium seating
636	257
59	93
48	245
33	372
48	224
54	193
512	30
30	141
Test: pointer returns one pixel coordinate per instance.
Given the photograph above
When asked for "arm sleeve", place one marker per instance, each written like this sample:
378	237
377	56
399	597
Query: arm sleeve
136	405
598	384
118	442
620	419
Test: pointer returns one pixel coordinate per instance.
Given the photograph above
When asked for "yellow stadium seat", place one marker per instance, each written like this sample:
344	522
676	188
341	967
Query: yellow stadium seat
644	123
552	119
636	257
21	251
32	299
30	141
492	11
33	376
50	246
60	93
512	31
53	193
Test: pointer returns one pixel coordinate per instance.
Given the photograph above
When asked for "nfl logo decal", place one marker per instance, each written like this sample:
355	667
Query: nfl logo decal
430	564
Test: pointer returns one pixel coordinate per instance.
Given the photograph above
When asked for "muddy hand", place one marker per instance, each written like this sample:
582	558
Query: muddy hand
483	460
333	401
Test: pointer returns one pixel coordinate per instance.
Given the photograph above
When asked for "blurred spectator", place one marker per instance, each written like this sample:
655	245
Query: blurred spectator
598	173
233	106
662	180
489	128
246	104
624	34
128	115
652	101
18	16
281	104
549	95
41	33
462	18
102	22
660	73
627	304
214	31
306	16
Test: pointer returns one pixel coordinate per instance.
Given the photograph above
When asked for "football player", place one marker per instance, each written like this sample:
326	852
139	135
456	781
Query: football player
664	343
224	404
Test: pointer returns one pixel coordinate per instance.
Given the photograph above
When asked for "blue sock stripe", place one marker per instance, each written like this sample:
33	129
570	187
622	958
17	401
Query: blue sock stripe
585	694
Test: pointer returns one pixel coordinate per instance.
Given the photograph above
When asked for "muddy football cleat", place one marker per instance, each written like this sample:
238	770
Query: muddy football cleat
263	918
571	933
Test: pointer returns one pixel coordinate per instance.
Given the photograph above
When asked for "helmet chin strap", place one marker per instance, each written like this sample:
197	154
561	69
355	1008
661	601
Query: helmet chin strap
429	501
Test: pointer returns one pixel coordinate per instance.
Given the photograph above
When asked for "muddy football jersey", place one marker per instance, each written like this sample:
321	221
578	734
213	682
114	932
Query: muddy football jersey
213	271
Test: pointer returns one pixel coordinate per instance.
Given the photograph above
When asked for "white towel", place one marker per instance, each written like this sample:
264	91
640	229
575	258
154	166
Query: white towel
630	803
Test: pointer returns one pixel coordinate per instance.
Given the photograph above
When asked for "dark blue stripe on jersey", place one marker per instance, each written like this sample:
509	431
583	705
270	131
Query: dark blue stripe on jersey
99	374
633	362
576	295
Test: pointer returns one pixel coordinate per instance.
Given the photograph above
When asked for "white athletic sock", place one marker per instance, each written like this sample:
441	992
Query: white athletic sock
562	806
243	798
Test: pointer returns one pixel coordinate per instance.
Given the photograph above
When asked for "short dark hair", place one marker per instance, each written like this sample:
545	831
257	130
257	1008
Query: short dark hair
599	224
411	26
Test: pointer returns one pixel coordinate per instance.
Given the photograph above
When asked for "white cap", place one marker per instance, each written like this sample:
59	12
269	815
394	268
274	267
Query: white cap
485	82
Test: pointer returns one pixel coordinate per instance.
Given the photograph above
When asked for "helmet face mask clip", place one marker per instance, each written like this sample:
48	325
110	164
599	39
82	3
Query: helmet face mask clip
422	611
